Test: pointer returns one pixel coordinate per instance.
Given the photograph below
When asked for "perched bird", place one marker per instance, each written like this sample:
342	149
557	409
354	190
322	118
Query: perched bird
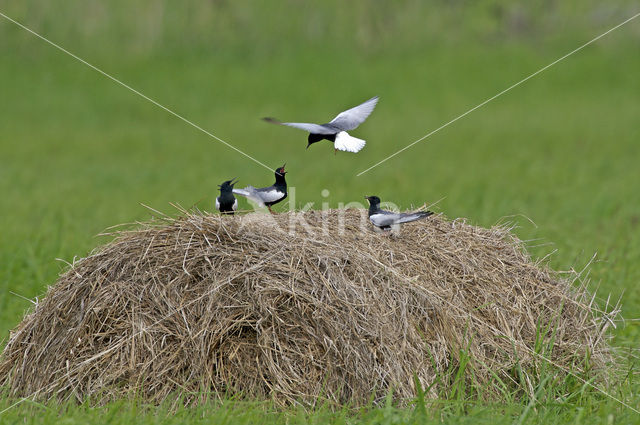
267	196
226	203
336	130
388	220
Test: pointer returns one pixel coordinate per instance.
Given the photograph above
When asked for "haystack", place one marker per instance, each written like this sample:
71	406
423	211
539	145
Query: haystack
301	307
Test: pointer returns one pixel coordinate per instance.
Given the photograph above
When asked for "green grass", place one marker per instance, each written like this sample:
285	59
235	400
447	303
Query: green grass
594	411
79	153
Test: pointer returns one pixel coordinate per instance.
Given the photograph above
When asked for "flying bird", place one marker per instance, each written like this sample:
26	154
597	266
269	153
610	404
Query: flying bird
267	196
226	203
388	220
336	130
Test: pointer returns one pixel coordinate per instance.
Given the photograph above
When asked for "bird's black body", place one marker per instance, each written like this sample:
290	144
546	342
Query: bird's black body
226	202
388	220
315	138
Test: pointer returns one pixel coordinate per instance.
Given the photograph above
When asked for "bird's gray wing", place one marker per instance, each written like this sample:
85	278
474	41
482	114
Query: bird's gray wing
384	218
251	193
246	192
311	128
351	118
407	217
269	194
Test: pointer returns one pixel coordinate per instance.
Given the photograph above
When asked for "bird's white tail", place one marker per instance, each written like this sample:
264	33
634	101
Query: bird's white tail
347	143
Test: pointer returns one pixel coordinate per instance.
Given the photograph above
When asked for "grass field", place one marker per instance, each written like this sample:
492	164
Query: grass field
79	153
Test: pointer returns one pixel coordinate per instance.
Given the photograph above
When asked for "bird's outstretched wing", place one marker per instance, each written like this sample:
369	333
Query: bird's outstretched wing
251	193
351	118
407	217
347	143
311	128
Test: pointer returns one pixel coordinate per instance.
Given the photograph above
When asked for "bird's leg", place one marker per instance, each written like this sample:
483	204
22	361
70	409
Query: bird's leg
270	210
335	151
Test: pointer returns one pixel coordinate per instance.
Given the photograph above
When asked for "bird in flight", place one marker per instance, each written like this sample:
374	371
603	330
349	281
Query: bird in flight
383	220
226	203
336	130
267	196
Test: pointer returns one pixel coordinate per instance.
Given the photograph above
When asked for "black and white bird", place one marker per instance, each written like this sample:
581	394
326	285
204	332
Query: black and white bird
388	220
267	196
336	130
226	203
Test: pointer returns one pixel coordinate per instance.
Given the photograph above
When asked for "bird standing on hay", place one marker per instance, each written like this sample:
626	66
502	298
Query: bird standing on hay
226	203
383	220
267	196
336	130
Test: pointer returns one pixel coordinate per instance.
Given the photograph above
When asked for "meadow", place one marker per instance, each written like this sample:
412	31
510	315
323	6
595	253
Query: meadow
558	155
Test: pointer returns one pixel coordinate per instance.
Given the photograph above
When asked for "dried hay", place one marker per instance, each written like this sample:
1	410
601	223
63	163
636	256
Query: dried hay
206	304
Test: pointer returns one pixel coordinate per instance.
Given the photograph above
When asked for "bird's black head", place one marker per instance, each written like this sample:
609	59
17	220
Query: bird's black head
280	171
373	200
313	138
227	186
